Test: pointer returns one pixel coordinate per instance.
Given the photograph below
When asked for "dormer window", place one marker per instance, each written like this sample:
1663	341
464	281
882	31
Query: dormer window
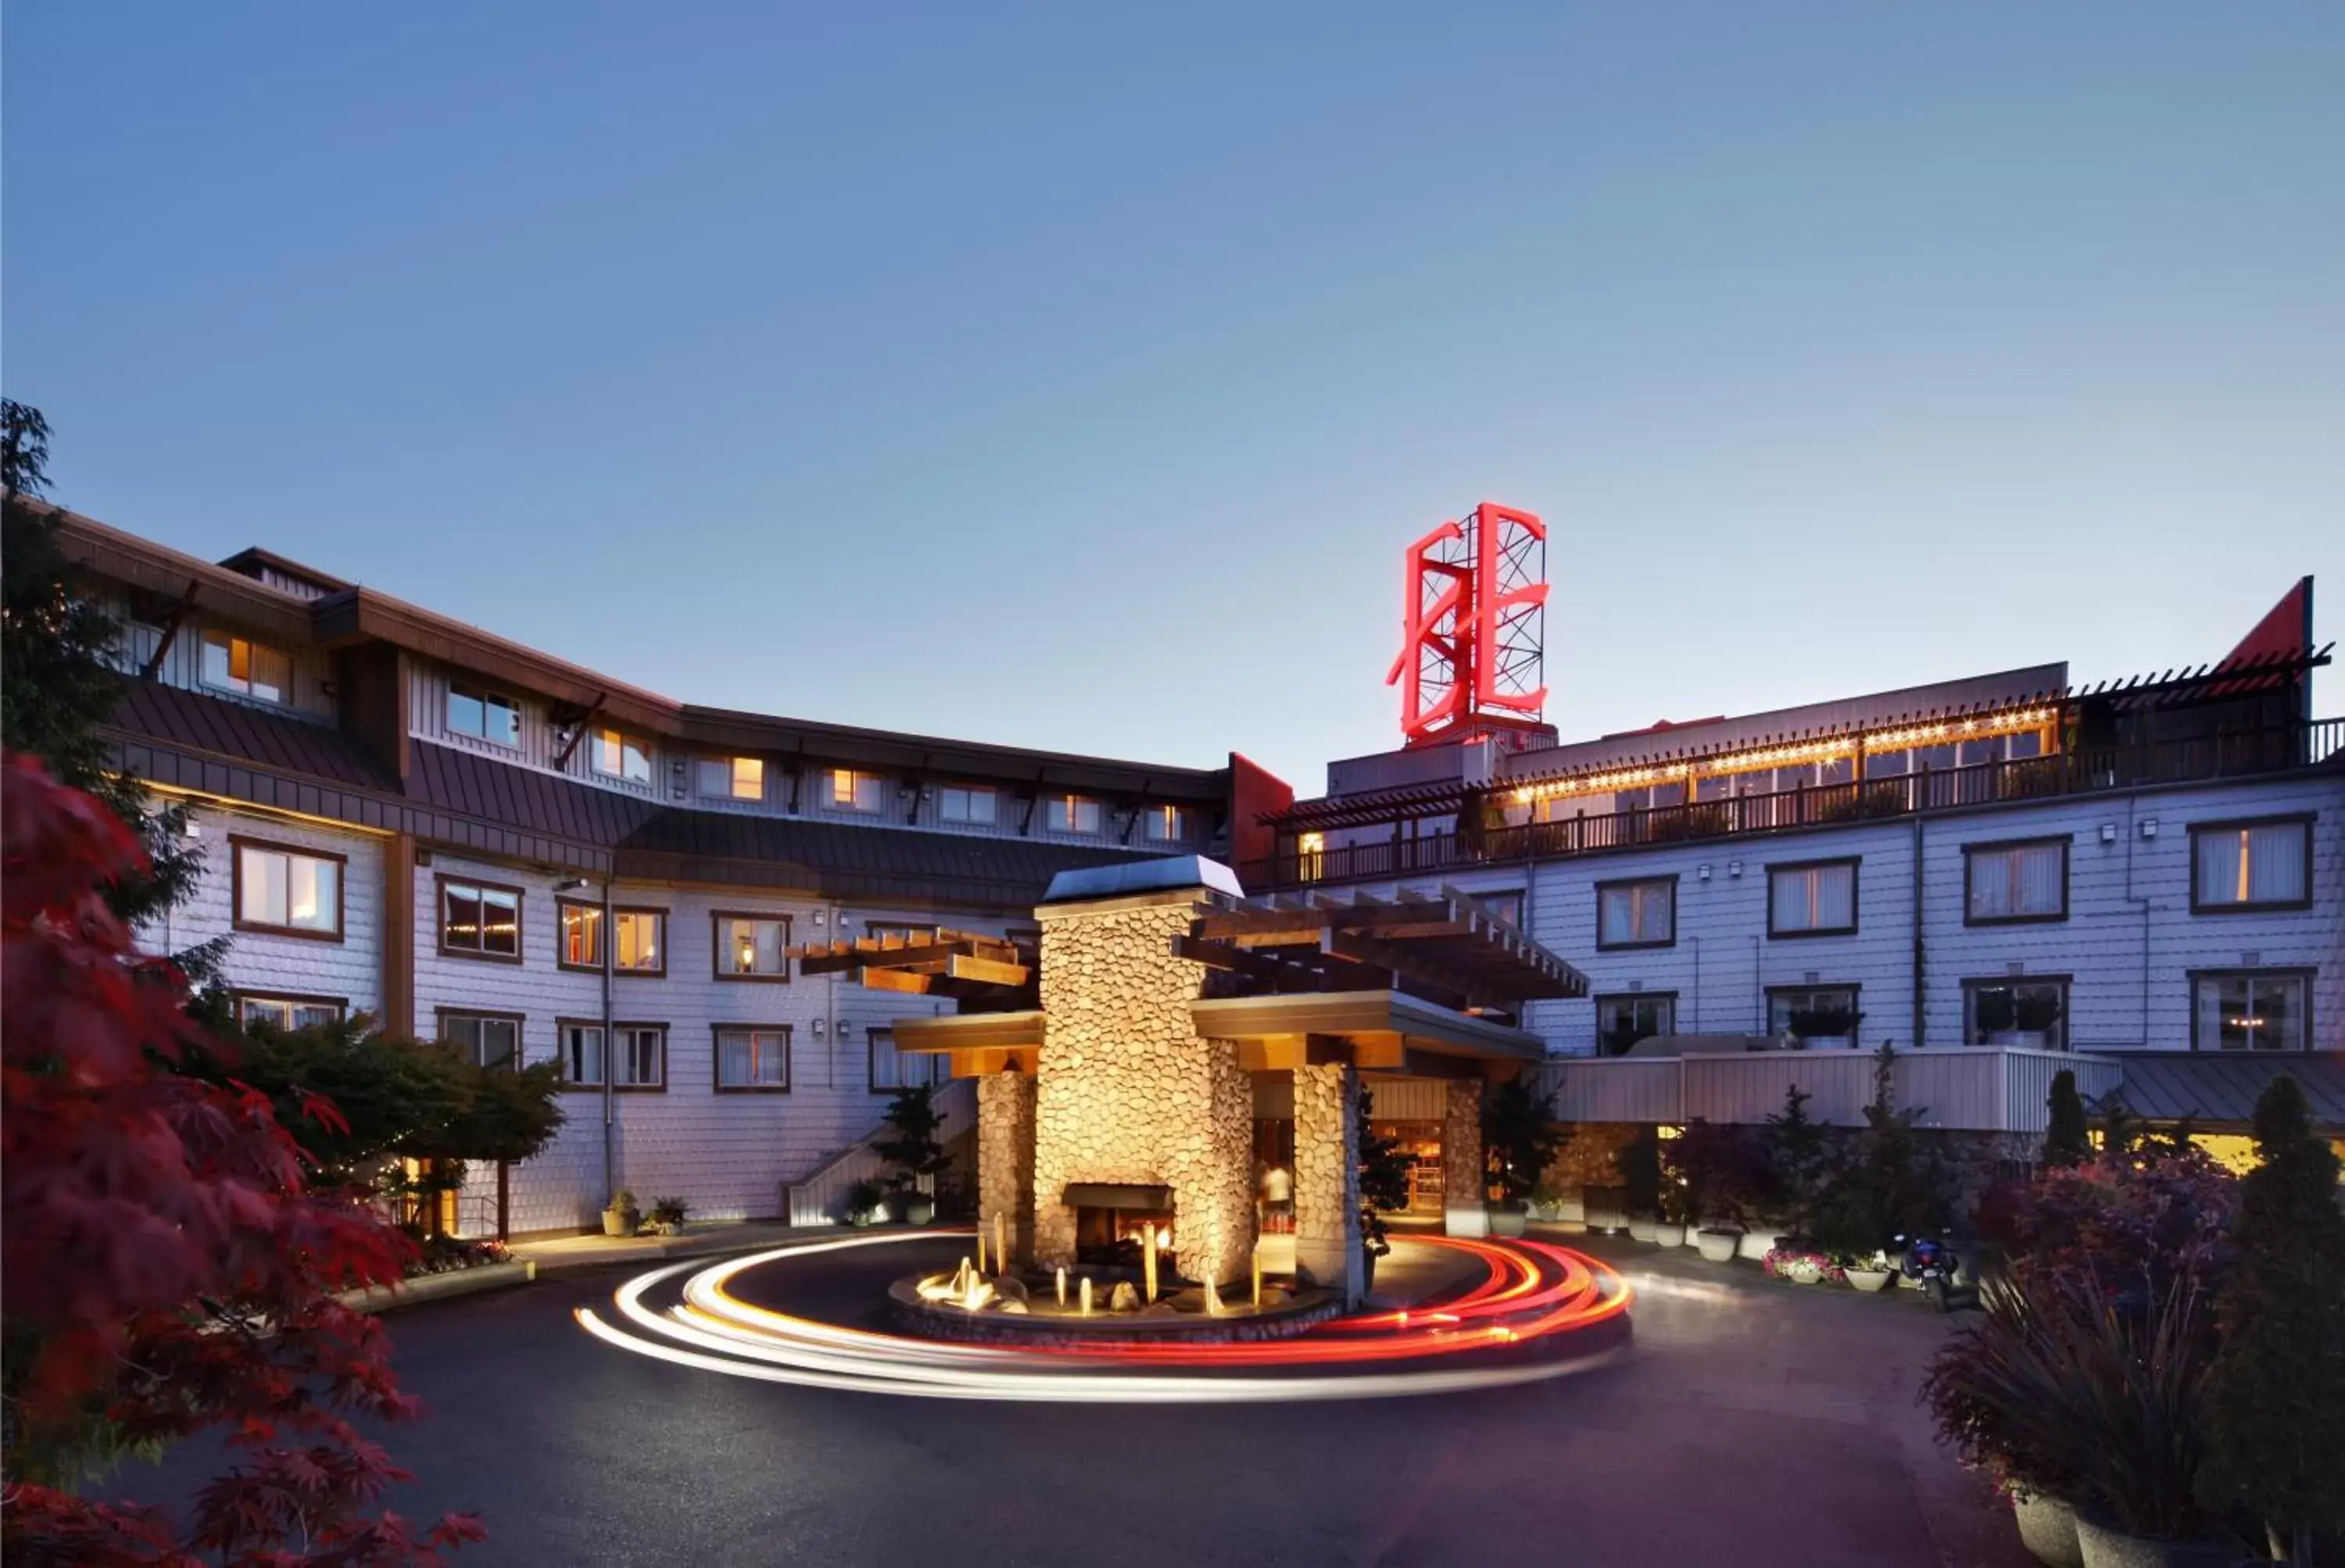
618	755
1169	824
248	668
733	778
1071	814
484	716
854	791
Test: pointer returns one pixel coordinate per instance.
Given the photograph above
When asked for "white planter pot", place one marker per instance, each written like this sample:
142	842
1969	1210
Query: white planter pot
1668	1235
1719	1246
1757	1244
2019	1039
1804	1273
1640	1229
1505	1222
2047	1527
2107	1546
1871	1279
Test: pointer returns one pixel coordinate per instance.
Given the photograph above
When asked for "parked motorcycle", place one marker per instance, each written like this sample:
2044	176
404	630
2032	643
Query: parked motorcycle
1933	1264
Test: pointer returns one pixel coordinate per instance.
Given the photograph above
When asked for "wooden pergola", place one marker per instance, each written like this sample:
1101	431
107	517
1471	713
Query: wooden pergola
1447	947
983	974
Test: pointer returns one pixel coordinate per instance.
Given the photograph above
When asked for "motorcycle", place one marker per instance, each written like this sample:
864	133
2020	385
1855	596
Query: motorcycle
1932	1264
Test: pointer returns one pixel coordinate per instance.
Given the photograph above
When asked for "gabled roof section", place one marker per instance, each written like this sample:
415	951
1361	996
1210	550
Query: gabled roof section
290	576
215	726
170	576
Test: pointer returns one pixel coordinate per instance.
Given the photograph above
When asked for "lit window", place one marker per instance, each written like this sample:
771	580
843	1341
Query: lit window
1310	857
2017	882
733	778
246	668
484	1039
892	1069
618	755
483	716
2248	1012
753	1058
2029	1012
1821	1015
972	806
288	1012
643	939
581	936
283	890
1811	899
1622	1021
479	920
1169	824
749	947
2250	865
1071	814
853	791
1636	914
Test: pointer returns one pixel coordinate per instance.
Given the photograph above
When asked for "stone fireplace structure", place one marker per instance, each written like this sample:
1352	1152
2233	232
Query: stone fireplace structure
1125	1103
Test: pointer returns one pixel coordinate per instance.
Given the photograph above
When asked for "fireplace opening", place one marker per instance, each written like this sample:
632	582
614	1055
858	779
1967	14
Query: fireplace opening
1113	1221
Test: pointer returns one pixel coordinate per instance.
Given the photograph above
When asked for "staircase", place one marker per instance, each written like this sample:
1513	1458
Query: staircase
820	1197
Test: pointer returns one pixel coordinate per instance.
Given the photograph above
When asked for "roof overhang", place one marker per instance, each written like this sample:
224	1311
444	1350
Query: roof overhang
977	1042
1379	1030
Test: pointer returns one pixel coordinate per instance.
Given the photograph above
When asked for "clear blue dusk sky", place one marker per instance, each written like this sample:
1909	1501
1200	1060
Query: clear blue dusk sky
1071	378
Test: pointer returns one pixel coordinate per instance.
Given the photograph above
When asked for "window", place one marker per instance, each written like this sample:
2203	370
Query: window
484	716
1819	1015
2241	866
484	1039
643	939
749	946
853	791
733	778
893	1070
643	1056
2032	1013
970	805
753	1060
1815	898
2251	1010
1310	857
582	1053
290	1013
618	755
480	920
1505	903
1071	814
1170	824
2013	882
1622	1021
1641	913
288	892
248	668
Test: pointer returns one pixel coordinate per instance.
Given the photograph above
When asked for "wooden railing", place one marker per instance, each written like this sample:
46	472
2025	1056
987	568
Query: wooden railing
2078	772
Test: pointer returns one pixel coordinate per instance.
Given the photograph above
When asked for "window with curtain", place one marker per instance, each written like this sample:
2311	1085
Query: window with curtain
749	947
731	778
582	1053
484	1039
1622	1021
1817	900
854	791
893	1070
2249	1012
2017	882
280	889
1641	913
641	1055
2239	866
753	1058
246	668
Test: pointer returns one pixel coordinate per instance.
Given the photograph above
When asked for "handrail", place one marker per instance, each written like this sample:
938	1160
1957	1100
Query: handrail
2087	770
812	1198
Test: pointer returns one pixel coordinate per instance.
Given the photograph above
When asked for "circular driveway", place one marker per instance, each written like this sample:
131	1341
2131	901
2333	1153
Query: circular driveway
1750	1422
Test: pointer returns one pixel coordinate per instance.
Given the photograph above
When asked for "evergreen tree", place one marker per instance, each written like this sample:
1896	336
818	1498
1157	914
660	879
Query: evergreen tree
1383	1180
1798	1150
1518	1138
2119	1131
59	655
2276	1400
2066	1141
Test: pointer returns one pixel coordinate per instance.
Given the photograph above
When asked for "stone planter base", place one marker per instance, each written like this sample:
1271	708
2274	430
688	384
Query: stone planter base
2047	1527
2107	1546
1719	1246
439	1286
1640	1229
1506	1222
1668	1235
1757	1244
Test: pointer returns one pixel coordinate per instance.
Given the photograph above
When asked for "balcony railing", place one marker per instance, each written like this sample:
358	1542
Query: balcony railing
2083	771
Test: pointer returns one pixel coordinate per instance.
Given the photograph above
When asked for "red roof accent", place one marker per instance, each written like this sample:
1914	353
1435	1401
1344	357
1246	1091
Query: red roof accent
2286	628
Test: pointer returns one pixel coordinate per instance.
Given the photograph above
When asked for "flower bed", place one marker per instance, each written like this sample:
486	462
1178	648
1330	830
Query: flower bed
1803	1264
448	1253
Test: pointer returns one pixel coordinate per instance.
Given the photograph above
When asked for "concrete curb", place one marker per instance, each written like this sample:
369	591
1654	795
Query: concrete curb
670	1250
438	1287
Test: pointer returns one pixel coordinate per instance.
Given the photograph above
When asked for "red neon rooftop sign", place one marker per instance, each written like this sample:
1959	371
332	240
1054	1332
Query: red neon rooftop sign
1472	619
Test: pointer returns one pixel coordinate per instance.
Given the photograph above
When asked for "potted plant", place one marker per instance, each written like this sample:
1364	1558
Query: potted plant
1997	1014
911	1146
1870	1272
866	1204
1711	1170
1518	1138
1383	1188
1718	1244
667	1214
621	1216
1824	1026
2033	1018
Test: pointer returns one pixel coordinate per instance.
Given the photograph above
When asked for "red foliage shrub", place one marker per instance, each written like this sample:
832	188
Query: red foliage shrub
2136	1224
165	1269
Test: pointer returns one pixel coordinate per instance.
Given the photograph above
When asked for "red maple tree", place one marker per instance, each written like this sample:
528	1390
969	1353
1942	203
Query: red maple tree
166	1270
